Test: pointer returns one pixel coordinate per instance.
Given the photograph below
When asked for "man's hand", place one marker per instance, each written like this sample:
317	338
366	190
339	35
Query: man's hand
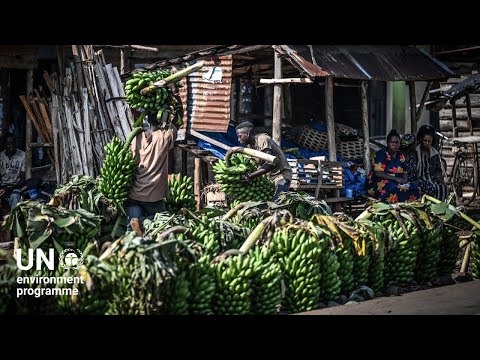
232	150
247	178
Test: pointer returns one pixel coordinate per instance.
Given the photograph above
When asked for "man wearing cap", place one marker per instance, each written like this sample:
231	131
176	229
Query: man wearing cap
281	172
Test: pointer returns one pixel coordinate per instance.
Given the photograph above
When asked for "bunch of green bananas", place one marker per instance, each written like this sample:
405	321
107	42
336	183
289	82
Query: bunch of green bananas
230	180
266	278
160	98
402	251
296	250
180	194
201	287
344	252
179	293
118	169
362	262
449	248
429	253
475	257
330	283
233	290
376	280
206	233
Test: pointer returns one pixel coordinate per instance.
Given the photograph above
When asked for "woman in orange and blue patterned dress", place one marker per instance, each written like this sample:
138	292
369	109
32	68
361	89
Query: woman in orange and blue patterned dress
388	179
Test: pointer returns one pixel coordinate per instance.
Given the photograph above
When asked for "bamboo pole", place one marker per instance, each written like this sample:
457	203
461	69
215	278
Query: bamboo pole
172	78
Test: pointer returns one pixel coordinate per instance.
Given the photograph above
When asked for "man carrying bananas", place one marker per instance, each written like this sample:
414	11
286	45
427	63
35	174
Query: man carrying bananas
281	172
151	148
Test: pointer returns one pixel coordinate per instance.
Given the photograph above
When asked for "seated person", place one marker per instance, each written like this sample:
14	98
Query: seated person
431	174
12	172
388	179
408	147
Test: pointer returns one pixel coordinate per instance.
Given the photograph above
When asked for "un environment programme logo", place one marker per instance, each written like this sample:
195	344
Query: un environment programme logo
70	259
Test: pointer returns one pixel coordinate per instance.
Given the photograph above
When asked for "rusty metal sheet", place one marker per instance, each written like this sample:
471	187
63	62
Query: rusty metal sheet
208	103
387	63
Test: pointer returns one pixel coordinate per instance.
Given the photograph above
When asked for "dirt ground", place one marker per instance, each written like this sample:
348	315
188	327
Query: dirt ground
457	299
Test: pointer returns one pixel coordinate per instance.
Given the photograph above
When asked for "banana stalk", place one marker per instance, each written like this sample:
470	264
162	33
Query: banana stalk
172	78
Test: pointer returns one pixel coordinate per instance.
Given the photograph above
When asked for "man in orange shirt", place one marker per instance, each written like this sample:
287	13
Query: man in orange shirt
150	149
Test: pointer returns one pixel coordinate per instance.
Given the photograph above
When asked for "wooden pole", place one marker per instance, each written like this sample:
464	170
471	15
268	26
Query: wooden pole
422	102
28	129
78	66
277	101
413	107
332	151
366	129
197	178
61	61
329	116
123	60
287	102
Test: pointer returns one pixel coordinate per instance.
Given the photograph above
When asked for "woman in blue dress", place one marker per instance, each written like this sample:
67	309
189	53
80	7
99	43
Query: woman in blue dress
388	179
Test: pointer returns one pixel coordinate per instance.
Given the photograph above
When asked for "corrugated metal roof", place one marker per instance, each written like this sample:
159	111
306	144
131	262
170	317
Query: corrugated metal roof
387	63
208	104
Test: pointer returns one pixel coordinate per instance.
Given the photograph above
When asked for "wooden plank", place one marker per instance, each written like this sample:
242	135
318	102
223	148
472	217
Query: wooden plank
64	149
287	81
78	125
76	157
105	93
121	92
422	102
365	127
120	104
28	127
56	145
332	151
88	136
277	101
461	113
413	101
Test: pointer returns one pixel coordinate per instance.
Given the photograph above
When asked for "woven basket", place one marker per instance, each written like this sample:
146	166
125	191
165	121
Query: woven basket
350	150
313	139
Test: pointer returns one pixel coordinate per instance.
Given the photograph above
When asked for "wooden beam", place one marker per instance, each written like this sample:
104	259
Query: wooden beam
28	128
210	140
287	81
332	151
18	62
122	61
146	48
277	101
413	101
422	102
197	178
366	129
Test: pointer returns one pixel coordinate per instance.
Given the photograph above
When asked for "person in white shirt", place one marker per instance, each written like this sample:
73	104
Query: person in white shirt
12	172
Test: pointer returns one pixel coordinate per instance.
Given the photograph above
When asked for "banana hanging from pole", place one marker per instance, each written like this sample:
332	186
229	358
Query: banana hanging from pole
172	78
251	152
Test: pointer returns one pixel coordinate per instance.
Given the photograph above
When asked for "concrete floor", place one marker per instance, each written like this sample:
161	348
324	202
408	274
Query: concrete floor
458	299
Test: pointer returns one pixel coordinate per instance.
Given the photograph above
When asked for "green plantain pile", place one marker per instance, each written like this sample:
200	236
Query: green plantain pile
296	250
233	290
266	278
159	101
118	169
180	194
230	180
